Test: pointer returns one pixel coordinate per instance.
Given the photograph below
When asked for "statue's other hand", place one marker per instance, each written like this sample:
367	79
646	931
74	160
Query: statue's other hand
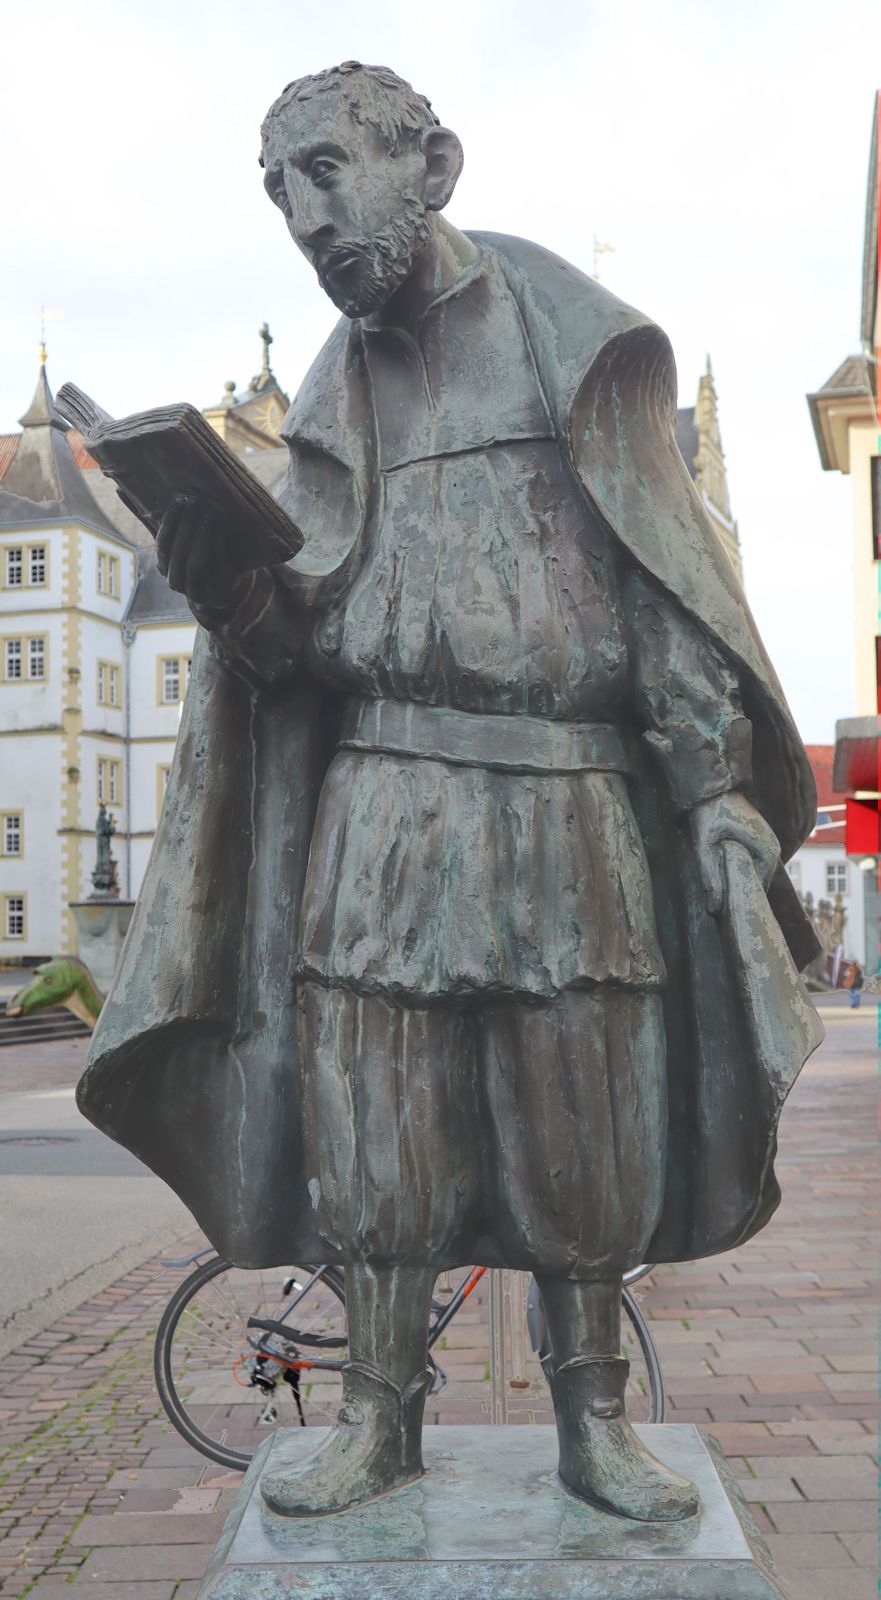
730	817
193	553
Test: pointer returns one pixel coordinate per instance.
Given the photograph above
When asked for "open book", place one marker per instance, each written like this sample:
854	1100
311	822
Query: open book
156	455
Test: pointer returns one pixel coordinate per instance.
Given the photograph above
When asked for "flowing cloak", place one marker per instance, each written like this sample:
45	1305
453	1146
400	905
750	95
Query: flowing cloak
193	1062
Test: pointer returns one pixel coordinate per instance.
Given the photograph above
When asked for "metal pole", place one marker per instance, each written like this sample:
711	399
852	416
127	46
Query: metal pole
498	1348
517	1288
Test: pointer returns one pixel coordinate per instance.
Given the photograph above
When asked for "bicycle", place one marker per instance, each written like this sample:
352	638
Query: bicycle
226	1353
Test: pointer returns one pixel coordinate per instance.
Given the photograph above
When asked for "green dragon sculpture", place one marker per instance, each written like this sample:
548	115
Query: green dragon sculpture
64	981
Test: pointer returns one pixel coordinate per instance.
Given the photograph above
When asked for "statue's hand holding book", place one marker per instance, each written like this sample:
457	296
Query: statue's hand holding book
212	519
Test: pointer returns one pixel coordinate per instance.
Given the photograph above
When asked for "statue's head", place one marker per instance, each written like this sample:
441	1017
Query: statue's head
357	162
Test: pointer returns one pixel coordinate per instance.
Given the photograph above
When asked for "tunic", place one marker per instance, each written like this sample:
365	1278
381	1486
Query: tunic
489	586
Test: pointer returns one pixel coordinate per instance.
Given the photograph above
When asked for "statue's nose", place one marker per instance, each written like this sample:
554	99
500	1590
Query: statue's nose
317	238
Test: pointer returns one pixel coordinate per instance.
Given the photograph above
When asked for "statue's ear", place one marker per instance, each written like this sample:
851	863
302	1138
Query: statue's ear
443	162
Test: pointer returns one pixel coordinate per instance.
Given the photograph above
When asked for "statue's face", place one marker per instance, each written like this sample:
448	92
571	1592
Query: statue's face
357	213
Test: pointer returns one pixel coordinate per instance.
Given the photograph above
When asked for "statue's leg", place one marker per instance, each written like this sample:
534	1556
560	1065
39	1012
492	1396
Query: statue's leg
576	1100
390	1150
376	1442
601	1457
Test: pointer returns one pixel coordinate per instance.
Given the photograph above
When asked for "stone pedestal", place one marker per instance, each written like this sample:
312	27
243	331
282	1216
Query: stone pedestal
492	1521
101	927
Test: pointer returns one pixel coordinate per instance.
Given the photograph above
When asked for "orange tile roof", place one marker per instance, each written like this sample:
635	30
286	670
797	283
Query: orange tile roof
84	461
9	445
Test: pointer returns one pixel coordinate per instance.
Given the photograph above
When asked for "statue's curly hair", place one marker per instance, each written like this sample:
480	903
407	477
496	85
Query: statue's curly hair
374	95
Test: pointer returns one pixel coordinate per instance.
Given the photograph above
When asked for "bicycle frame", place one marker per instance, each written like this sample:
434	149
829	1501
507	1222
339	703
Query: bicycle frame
333	1364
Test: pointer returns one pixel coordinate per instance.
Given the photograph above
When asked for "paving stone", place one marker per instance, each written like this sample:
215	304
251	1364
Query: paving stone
114	1563
152	1477
830	1583
791	1550
147	1528
768	1491
863	1546
801	1383
163	1590
187	1499
826	1516
850	1445
837	1479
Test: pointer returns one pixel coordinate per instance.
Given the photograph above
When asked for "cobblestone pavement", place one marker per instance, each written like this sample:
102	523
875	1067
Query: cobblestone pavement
770	1347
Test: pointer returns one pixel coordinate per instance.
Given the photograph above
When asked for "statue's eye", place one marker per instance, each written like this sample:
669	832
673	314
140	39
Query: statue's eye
322	170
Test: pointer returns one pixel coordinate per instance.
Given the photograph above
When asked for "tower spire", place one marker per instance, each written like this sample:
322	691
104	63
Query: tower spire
266	336
265	378
41	412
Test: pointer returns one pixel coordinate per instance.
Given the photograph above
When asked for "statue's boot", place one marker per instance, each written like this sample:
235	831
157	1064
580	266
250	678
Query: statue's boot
601	1457
376	1442
375	1445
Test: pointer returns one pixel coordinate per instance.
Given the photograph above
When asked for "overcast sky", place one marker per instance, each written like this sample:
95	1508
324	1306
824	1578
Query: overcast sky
721	149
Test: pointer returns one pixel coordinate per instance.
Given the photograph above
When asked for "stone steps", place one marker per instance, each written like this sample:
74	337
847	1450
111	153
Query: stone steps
53	1022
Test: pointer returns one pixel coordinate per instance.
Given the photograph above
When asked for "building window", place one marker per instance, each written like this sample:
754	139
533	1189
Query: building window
109	781
36	658
26	564
14	567
836	877
14	918
170	681
174	675
108	684
11	836
108	574
875	480
18	651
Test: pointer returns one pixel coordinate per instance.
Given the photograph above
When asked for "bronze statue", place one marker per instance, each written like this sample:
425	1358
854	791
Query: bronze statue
463	934
104	874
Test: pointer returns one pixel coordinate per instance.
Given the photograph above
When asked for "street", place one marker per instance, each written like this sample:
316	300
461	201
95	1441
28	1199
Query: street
77	1210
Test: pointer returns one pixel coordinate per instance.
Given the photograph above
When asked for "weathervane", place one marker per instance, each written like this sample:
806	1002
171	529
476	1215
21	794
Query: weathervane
45	316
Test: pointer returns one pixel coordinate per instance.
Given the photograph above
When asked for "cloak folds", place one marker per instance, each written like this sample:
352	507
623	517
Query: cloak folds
193	1062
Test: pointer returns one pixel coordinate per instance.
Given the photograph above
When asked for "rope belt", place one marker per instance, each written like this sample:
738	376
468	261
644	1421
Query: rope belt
477	739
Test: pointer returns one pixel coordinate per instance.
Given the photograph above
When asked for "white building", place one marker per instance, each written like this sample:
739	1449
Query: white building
94	655
821	869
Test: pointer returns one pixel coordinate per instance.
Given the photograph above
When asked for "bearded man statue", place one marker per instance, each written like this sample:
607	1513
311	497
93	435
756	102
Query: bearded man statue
465	937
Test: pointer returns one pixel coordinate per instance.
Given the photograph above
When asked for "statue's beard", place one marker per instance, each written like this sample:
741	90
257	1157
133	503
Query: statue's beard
380	264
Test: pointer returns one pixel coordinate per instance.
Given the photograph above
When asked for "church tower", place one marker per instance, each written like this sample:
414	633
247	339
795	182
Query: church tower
699	439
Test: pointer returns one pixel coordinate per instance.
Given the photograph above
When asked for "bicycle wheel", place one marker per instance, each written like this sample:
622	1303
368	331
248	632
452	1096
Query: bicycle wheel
646	1401
224	1385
